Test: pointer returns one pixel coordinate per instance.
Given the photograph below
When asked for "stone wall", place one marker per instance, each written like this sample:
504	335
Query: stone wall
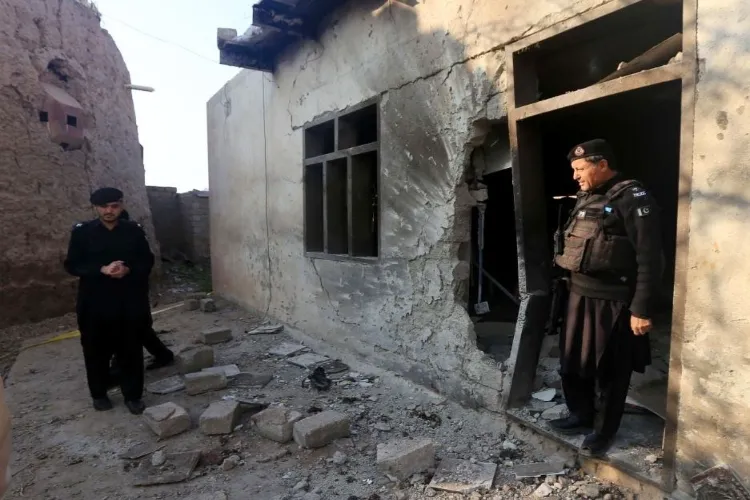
181	222
195	223
44	188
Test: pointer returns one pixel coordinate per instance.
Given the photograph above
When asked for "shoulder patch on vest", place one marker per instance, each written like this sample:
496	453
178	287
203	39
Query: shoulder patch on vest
644	211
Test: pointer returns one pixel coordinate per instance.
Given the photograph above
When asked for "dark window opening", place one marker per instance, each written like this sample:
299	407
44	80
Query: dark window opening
358	128
606	48
43	116
337	223
64	145
71	121
319	140
58	68
341	186
314	208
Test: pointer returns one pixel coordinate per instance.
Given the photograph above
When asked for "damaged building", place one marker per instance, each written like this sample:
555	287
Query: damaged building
387	177
68	127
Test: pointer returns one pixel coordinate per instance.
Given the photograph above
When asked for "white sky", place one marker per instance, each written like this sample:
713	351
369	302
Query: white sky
172	120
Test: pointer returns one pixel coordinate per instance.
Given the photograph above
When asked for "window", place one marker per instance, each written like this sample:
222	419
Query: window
71	120
341	185
43	116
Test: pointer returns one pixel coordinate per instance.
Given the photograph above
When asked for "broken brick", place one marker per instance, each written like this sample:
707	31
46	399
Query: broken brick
219	418
321	429
276	424
167	419
200	382
403	458
194	360
217	336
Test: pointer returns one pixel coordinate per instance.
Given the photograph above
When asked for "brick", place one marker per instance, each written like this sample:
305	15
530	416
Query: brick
200	382
217	336
403	458
167	419
208	305
276	424
191	305
220	418
194	360
321	429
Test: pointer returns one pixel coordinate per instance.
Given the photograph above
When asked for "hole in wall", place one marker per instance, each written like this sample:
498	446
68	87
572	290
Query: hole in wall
43	116
58	67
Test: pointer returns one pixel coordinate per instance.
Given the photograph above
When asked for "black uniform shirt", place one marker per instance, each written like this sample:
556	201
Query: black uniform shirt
93	246
635	215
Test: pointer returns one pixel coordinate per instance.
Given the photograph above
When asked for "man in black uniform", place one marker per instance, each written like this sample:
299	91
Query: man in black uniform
612	247
112	258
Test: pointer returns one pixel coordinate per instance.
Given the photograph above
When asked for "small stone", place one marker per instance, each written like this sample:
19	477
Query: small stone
557	411
545	395
286	349
191	305
429	492
200	382
195	360
217	336
308	360
276	423
590	490
252	379
231	462
509	446
311	496
608	496
652	459
167	419
166	386
229	371
219	418
405	457
208	305
550	480
321	429
339	458
382	426
301	486
544	490
158	458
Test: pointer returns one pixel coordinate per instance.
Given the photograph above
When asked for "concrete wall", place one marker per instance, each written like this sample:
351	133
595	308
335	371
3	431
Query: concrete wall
439	71
44	190
715	383
165	210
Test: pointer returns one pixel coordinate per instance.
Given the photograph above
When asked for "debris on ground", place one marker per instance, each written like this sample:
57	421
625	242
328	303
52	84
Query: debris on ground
262	435
266	330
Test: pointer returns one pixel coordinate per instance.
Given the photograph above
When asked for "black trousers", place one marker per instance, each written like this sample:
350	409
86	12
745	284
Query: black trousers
582	399
103	337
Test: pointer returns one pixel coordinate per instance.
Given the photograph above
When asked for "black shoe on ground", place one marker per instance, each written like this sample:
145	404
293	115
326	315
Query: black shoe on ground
160	363
572	425
102	404
136	407
595	445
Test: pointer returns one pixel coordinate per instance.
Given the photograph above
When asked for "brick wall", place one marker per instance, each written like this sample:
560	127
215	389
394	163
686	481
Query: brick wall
181	223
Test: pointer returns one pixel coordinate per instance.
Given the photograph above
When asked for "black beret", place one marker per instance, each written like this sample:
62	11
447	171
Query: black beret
596	147
105	195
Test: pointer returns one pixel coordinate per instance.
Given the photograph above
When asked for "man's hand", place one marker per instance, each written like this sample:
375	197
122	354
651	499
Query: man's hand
640	326
113	269
120	270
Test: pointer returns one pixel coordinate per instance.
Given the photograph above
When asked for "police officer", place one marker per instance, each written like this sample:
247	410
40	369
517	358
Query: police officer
612	248
112	258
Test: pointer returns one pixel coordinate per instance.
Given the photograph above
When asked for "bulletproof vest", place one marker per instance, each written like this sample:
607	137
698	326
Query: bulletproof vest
594	239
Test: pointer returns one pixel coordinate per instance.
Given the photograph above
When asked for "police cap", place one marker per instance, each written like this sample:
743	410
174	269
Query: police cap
596	147
105	195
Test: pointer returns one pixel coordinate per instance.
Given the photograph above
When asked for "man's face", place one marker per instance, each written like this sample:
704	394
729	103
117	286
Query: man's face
110	212
588	174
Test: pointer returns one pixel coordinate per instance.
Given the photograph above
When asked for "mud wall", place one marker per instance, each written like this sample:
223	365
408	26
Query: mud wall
44	189
165	210
439	72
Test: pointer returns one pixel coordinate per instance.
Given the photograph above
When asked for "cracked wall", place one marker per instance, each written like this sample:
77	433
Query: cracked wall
439	70
43	189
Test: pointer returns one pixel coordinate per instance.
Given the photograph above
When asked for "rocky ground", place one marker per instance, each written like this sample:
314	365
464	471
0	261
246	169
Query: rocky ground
63	449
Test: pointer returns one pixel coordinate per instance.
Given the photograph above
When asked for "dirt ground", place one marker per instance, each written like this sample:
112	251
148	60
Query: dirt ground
64	450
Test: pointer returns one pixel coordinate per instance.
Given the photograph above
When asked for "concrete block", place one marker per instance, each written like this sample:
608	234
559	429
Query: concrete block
191	305
220	418
217	336
200	382
276	424
403	458
321	429
208	305
194	360
167	419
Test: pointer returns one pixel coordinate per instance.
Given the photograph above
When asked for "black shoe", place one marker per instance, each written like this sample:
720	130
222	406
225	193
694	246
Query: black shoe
572	425
102	404
136	407
595	445
160	363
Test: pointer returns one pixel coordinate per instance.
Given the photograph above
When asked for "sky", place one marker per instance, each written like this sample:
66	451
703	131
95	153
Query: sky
170	45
